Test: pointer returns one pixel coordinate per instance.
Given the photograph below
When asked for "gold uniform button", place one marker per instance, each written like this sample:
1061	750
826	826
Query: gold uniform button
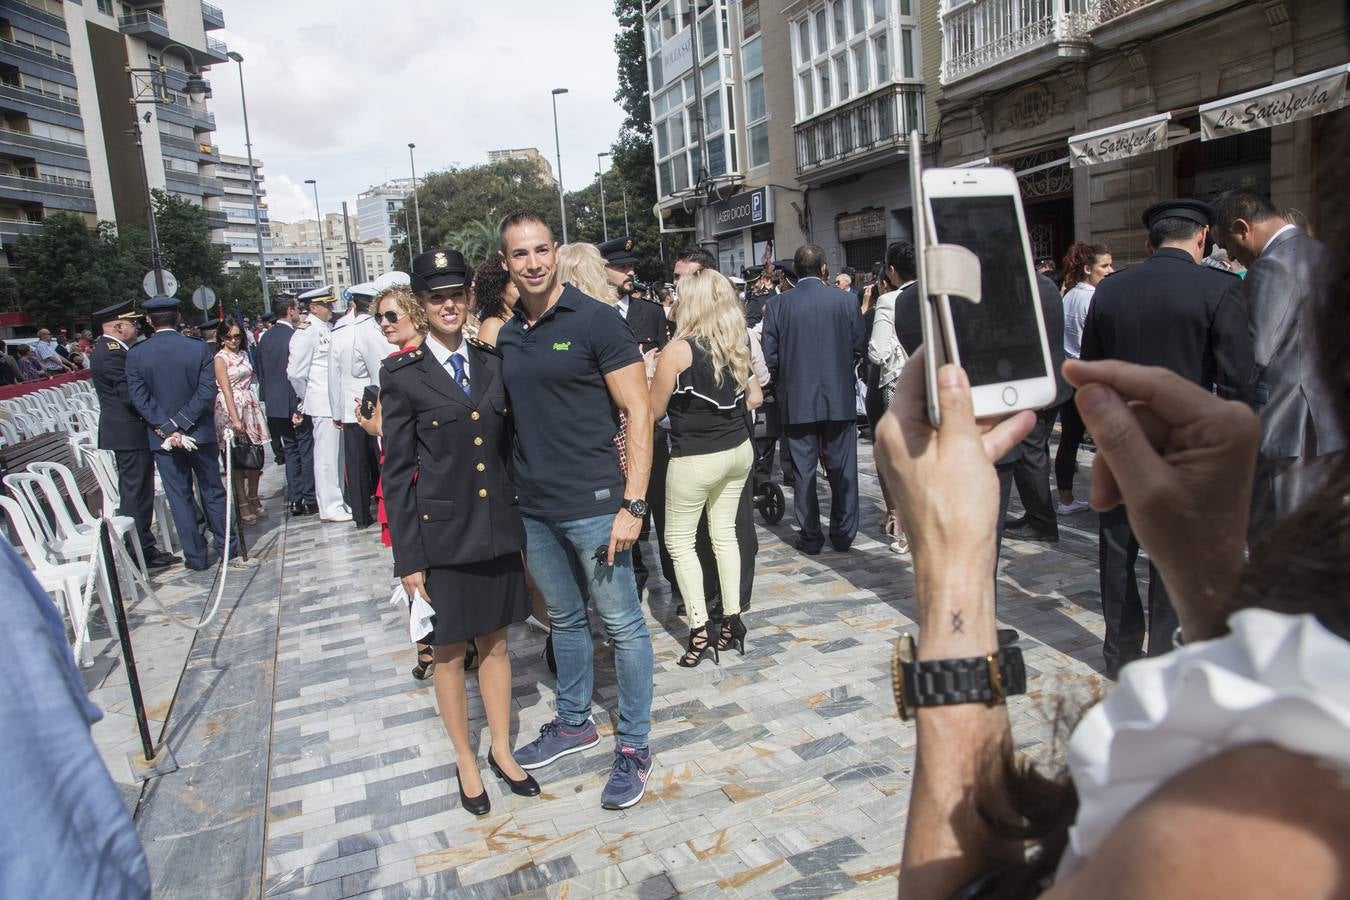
474	415
435	424
478	442
480	467
482	492
426	518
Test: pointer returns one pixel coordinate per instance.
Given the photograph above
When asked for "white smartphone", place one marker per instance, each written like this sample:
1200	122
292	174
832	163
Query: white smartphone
1000	341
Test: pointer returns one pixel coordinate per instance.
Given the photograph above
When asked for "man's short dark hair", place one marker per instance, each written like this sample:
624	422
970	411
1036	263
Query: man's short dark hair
282	306
1241	204
1171	229
699	256
900	256
519	217
808	261
166	319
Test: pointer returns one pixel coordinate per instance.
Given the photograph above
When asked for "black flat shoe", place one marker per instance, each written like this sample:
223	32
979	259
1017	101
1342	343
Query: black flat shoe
479	806
526	787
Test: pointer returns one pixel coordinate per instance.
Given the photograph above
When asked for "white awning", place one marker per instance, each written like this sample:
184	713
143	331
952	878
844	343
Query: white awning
1119	141
1279	104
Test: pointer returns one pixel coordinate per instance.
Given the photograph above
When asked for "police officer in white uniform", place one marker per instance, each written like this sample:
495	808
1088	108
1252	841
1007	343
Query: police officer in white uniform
308	372
360	458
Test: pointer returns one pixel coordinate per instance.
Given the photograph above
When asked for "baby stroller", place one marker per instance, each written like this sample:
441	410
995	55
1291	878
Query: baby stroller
766	496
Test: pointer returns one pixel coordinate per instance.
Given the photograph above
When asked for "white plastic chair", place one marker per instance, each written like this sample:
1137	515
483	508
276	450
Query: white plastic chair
9	432
66	579
88	522
104	466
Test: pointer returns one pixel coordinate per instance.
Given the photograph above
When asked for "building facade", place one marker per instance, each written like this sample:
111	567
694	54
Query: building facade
801	125
240	235
529	154
65	110
380	214
1104	107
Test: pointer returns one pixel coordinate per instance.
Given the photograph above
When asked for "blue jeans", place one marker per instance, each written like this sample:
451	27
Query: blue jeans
560	557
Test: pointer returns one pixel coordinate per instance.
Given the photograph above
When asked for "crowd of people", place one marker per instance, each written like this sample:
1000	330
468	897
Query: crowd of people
519	431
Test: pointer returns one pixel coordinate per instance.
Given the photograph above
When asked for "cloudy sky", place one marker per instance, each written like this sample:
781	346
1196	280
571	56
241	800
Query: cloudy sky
337	89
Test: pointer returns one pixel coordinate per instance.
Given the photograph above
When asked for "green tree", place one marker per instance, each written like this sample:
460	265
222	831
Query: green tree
242	290
9	293
481	196
59	275
185	244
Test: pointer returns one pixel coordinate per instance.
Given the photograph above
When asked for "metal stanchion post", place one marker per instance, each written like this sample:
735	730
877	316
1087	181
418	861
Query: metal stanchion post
152	763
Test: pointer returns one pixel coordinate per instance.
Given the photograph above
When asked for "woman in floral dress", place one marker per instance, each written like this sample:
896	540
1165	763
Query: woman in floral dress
237	407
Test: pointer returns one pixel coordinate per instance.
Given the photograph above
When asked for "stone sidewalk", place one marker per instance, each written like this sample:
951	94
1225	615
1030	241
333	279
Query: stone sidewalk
313	765
784	772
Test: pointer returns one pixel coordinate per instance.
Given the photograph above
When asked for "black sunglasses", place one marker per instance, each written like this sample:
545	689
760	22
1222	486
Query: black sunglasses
391	316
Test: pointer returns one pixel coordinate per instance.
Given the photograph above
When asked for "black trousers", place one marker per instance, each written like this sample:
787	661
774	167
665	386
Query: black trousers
1126	619
297	444
136	484
1071	431
362	471
839	443
656	501
1031	474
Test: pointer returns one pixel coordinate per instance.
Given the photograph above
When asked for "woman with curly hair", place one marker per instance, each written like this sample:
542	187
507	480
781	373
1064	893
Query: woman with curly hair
494	296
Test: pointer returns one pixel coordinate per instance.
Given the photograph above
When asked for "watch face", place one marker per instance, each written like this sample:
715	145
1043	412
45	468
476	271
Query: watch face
637	507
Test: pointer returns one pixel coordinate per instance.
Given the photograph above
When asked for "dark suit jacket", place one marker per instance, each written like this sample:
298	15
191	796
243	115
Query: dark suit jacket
1298	417
813	336
269	360
447	486
120	427
648	321
171	380
1170	312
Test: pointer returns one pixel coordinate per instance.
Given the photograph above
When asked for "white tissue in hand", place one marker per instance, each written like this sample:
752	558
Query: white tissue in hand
420	616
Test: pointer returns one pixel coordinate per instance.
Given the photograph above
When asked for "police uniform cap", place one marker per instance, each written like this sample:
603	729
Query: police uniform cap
619	252
1181	208
125	311
209	325
365	289
437	269
160	304
753	272
786	267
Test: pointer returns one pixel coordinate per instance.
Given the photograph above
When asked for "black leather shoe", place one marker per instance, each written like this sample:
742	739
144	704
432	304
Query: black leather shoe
1008	636
808	549
202	568
526	787
305	509
1029	534
161	560
1014	523
479	806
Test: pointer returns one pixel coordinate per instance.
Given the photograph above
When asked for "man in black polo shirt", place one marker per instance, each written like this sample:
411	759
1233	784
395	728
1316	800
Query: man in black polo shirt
571	364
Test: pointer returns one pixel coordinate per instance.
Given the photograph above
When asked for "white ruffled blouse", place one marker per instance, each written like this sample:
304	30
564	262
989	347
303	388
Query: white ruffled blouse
1277	679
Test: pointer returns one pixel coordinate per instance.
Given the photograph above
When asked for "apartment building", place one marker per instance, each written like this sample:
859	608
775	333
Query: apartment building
305	233
529	154
1104	107
65	110
779	124
236	202
380	214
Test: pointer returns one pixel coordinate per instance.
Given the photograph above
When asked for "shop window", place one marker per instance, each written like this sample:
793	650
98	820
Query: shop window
864	253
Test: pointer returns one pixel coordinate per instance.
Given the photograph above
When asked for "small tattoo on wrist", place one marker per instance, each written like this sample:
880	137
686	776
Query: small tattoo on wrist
958	623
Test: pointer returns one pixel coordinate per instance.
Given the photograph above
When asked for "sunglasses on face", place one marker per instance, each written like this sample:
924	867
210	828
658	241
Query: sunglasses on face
391	316
234	337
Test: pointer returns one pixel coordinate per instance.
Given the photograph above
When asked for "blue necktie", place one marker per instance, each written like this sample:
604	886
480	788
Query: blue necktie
457	363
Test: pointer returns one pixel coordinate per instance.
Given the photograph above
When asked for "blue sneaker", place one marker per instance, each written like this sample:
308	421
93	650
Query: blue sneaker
628	780
555	741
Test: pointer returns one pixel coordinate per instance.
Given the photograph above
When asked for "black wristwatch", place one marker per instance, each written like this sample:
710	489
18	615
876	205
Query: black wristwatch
989	679
638	507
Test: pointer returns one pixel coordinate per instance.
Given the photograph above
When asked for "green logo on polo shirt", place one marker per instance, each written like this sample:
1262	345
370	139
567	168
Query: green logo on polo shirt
563	345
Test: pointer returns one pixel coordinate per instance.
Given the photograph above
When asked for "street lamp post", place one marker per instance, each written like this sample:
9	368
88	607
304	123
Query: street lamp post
557	146
147	87
417	208
625	209
253	185
600	173
323	251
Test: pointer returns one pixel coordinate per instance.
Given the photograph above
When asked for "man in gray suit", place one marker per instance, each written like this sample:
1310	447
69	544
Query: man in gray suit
813	338
1287	274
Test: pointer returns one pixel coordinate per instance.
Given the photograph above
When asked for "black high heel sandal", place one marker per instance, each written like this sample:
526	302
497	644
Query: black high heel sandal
526	787
470	655
732	634
425	660
479	806
695	651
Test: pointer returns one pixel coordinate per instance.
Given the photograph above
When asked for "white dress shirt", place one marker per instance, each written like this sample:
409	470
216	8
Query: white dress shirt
623	306
443	354
1274	236
1077	302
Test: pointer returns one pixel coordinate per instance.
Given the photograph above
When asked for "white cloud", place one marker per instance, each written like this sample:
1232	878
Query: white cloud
337	89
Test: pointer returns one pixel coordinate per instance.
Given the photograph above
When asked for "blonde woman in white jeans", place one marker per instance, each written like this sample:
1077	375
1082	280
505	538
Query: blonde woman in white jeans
703	381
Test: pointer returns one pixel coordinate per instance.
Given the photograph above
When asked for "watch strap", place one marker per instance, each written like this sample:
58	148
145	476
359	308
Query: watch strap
979	679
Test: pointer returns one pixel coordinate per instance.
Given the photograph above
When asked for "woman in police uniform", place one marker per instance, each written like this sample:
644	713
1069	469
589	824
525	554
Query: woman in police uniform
457	535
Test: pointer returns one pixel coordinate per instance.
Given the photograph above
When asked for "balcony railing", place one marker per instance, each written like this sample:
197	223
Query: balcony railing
58	57
63	187
39	97
979	35
212	16
144	25
879	120
217	50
